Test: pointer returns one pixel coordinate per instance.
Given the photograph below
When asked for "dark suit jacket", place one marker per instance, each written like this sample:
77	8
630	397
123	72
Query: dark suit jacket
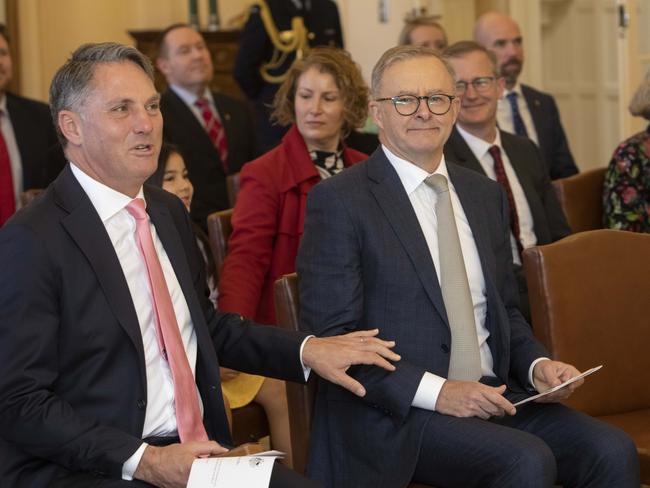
550	133
364	263
548	218
72	374
40	152
182	128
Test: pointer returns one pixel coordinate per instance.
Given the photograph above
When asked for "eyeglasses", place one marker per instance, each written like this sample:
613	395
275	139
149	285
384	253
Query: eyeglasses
438	104
481	85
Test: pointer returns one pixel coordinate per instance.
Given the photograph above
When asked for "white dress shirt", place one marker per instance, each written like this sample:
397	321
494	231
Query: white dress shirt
12	148
423	198
504	113
480	148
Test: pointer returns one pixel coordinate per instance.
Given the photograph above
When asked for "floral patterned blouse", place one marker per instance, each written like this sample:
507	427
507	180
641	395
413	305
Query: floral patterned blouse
626	193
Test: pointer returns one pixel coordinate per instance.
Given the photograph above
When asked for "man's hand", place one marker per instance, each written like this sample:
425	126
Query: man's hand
473	399
169	466
548	374
227	374
330	357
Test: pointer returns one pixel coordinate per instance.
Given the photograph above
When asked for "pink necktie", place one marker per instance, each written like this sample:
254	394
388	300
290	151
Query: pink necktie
188	415
215	129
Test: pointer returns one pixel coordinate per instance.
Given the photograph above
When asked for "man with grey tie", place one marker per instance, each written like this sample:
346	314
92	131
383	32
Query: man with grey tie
420	248
524	110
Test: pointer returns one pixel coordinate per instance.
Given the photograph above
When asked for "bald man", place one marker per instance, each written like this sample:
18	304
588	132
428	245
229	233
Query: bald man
522	109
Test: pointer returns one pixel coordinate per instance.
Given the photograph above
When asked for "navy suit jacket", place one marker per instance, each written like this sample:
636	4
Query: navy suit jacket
364	263
549	221
40	152
72	375
204	167
550	133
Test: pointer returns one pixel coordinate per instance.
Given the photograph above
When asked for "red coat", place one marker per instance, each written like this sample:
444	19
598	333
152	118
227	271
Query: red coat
268	222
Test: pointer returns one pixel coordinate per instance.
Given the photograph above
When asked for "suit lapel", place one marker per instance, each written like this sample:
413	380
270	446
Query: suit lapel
457	150
535	109
87	230
171	241
396	206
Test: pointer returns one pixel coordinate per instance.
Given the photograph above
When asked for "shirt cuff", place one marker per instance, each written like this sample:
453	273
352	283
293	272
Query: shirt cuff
131	464
530	372
428	390
305	369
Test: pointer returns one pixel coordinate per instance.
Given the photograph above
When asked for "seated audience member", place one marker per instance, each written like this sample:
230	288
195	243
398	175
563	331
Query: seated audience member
261	65
626	193
323	97
30	154
425	32
239	389
420	247
214	131
524	110
172	176
476	142
109	347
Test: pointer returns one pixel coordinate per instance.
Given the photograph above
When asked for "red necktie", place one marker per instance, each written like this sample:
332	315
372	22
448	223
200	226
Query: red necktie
7	195
188	414
502	178
215	130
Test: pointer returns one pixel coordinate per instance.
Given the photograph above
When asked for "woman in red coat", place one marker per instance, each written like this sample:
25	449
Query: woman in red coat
324	97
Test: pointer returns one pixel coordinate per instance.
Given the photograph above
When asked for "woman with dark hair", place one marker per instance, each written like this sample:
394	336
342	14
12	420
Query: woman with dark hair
626	193
323	97
171	175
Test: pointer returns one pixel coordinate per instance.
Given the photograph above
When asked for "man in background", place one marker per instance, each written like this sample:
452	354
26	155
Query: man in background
30	154
522	109
424	31
320	17
476	142
213	131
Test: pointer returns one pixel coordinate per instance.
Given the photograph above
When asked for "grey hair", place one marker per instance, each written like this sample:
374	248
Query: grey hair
461	48
72	82
640	103
402	53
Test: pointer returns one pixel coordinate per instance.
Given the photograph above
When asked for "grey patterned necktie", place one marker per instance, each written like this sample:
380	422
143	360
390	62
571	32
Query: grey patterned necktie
465	361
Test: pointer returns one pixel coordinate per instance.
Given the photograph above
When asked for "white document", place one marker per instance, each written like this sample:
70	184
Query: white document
233	472
562	385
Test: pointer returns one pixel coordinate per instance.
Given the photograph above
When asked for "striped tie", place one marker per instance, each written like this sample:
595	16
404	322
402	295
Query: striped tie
215	130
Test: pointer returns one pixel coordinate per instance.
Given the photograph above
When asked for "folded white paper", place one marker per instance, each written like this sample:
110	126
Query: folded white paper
233	472
562	385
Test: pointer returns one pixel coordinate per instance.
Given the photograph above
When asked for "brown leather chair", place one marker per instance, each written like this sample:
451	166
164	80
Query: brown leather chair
28	196
300	397
232	188
249	423
589	302
219	230
581	197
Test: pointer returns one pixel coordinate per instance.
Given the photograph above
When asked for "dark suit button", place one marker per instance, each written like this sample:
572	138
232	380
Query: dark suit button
142	404
445	348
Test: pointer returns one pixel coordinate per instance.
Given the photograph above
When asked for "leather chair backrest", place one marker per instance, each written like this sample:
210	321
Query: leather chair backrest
590	297
299	397
581	197
232	188
219	230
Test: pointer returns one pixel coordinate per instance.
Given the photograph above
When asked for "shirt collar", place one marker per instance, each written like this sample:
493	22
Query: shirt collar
515	89
412	175
478	146
106	201
189	97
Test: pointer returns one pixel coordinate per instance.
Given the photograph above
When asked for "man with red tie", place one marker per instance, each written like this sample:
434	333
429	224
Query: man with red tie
109	347
214	131
30	155
515	162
